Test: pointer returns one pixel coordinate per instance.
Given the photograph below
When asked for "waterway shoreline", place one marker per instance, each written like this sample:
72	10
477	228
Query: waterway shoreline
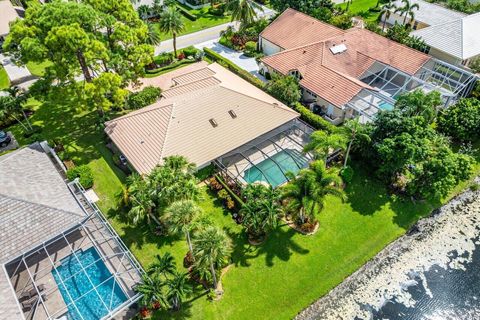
430	242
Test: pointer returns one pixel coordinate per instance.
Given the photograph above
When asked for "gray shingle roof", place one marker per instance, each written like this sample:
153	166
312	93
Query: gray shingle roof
458	38
35	205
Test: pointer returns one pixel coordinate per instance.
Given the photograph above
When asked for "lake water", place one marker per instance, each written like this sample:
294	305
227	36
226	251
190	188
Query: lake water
431	273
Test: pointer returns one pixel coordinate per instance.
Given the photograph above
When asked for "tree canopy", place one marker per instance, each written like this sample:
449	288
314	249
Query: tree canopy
284	88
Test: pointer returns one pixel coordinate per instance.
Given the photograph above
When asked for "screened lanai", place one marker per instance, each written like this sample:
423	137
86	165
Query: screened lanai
83	273
268	158
389	83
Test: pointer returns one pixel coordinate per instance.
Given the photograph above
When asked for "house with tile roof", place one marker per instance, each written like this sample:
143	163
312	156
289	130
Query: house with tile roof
354	72
49	226
456	42
211	115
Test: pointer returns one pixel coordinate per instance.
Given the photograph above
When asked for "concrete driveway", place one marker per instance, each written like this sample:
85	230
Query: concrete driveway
244	62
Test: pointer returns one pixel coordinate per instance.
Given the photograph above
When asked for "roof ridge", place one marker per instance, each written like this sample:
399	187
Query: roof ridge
192	82
167	129
42	205
150	108
190	72
349	78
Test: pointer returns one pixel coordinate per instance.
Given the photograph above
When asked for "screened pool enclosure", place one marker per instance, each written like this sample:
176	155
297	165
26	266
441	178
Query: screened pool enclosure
268	158
84	273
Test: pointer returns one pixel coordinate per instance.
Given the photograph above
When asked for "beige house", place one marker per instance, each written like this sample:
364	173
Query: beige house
355	72
209	115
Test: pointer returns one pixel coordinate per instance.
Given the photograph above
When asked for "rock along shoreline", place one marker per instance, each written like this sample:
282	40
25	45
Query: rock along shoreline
453	227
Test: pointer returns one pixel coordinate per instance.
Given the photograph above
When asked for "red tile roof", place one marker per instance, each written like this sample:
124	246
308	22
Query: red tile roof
285	31
334	77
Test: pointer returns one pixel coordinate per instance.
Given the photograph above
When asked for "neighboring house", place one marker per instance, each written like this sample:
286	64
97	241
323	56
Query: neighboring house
355	72
59	257
428	14
456	42
7	15
212	115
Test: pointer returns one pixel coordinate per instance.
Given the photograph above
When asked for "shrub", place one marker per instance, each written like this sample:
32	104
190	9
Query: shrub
84	173
313	119
234	68
284	88
475	65
143	98
34	131
217	10
250	48
462	120
190	51
186	13
475	187
169	67
347	174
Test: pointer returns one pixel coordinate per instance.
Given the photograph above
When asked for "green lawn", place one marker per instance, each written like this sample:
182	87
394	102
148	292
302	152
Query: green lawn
358	6
204	21
273	281
4	81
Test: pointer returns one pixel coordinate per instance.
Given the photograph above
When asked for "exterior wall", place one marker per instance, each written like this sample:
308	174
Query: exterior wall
268	48
395	17
445	57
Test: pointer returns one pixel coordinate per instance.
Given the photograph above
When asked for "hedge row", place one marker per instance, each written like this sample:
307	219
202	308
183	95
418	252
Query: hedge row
170	66
234	68
186	13
234	196
313	119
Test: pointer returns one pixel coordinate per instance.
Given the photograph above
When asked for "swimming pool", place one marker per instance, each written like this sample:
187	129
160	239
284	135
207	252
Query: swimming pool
385	106
91	306
289	160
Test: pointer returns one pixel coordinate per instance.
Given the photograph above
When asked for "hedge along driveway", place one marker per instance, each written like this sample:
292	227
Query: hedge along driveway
238	58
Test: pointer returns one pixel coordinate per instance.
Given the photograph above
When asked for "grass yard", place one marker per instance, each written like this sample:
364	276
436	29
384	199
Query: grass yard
4	81
204	21
272	281
359	6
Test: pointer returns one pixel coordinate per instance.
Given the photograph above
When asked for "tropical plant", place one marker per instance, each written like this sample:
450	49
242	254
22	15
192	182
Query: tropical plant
177	289
211	250
322	144
284	88
153	37
152	292
141	196
261	210
419	103
163	266
143	11
12	105
354	130
461	121
305	193
244	11
407	10
386	12
180	216
170	22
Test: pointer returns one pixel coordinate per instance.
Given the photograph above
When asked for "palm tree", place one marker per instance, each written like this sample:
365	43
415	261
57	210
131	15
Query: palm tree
243	11
170	21
143	12
179	163
407	10
177	289
321	143
141	195
354	130
386	12
151	289
153	36
306	192
211	249
180	216
13	104
163	266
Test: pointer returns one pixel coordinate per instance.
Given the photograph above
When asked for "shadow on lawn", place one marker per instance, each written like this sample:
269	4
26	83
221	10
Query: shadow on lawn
279	245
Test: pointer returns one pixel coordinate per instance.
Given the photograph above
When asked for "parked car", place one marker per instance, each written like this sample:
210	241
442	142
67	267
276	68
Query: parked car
4	139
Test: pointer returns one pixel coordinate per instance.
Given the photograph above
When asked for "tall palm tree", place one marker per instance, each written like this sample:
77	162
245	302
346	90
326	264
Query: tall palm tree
244	11
170	21
151	289
407	10
180	216
162	266
321	143
211	249
153	36
354	131
306	192
141	196
177	289
386	12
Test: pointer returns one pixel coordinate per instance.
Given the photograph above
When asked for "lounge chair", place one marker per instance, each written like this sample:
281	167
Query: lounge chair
27	305
32	292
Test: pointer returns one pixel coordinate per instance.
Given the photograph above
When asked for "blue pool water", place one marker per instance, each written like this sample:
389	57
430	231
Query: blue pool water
289	160
90	305
385	106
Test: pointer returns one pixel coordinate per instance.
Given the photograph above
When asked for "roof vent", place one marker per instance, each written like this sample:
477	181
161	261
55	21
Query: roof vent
213	122
338	49
232	114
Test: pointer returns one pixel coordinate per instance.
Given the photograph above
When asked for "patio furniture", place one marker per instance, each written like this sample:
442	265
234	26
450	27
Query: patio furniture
32	292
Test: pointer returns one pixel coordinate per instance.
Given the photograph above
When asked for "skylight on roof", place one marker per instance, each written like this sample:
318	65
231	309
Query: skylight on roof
232	114
213	122
338	48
